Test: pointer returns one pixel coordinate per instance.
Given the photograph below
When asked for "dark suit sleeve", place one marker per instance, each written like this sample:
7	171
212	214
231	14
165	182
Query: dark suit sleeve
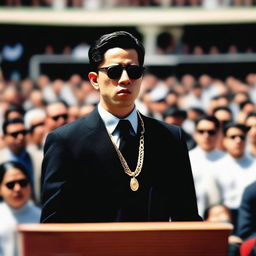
56	196
247	213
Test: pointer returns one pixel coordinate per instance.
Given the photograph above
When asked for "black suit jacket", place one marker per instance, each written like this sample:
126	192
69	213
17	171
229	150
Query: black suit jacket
246	223
84	181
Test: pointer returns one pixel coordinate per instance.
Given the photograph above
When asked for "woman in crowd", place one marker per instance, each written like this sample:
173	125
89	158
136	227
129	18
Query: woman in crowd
16	206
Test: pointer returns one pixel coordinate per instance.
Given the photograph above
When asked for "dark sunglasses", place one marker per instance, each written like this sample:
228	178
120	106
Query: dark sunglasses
23	183
16	134
209	132
64	116
115	71
232	137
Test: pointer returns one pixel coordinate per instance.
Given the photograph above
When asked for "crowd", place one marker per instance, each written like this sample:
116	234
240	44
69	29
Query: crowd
218	118
97	4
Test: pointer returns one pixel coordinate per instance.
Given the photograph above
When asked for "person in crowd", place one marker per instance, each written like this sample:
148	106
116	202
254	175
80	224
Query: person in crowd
250	122
16	207
35	123
203	160
14	111
56	115
15	139
193	114
224	115
121	155
246	107
236	169
176	116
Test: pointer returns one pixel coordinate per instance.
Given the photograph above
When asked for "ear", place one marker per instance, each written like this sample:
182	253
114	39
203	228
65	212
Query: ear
93	78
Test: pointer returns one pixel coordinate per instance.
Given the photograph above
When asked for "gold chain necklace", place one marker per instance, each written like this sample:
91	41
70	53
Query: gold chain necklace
134	184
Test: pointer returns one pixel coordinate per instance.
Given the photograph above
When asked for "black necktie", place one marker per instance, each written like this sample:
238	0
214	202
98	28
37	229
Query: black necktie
127	143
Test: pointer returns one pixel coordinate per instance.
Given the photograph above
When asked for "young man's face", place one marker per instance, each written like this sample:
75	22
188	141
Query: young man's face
117	95
206	135
234	142
251	123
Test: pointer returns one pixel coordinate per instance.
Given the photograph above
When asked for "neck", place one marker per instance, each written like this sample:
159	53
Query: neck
253	149
120	112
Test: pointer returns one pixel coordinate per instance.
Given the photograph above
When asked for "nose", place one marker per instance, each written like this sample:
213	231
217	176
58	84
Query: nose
17	187
124	79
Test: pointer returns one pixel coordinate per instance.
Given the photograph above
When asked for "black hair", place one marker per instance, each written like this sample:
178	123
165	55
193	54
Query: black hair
175	112
225	108
11	121
244	103
239	126
120	39
252	114
208	118
6	166
14	108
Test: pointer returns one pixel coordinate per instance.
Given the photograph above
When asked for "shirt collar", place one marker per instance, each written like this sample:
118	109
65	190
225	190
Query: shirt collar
111	121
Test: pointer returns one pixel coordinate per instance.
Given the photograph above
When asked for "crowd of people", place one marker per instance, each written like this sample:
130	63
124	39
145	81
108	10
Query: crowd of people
97	4
218	118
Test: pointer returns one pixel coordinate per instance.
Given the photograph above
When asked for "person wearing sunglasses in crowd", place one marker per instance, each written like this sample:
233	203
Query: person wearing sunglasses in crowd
16	207
116	164
56	115
203	159
15	140
236	169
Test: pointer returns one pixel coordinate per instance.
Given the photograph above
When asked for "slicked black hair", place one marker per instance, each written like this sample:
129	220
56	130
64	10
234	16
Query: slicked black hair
121	39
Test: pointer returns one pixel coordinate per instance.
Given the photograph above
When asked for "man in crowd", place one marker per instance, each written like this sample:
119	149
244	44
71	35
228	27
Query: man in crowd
203	160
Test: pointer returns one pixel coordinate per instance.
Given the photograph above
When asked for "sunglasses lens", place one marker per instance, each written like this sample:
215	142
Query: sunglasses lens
22	183
10	185
134	72
115	72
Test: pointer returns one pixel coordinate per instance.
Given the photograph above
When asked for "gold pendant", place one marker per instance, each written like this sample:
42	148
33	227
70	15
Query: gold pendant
134	184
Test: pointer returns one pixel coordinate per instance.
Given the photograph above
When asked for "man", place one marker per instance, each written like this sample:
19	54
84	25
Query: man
15	139
203	160
236	169
176	116
57	115
250	122
35	124
90	174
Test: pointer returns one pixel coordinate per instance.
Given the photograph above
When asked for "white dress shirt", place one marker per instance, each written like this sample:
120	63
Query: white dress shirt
203	167
111	123
233	175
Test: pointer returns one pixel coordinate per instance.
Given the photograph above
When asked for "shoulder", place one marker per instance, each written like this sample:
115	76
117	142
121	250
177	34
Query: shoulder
157	125
250	191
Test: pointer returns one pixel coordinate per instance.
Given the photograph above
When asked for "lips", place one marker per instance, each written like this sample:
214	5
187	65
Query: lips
124	91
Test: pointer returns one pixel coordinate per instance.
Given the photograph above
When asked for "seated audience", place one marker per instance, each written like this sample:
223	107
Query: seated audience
16	207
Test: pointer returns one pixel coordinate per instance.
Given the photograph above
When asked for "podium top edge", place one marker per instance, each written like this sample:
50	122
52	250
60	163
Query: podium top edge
124	227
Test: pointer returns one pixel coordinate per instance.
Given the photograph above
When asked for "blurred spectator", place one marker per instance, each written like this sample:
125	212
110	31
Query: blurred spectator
73	113
236	169
57	115
35	123
15	139
192	115
86	109
14	111
165	43
81	50
176	116
224	116
246	107
250	122
203	161
17	207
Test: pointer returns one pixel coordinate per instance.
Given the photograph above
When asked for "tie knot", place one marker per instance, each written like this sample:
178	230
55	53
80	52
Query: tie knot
124	127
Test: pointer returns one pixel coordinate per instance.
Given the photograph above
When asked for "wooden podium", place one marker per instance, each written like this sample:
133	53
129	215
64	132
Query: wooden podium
125	239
